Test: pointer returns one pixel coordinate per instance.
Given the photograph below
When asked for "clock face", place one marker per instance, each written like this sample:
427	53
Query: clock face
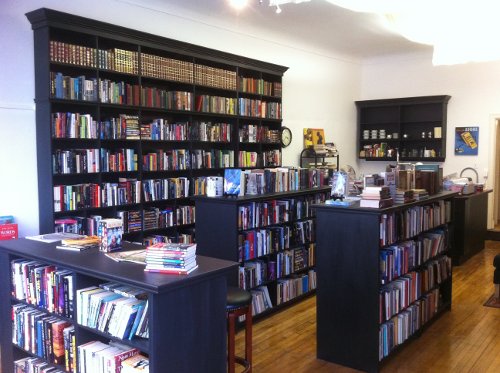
286	136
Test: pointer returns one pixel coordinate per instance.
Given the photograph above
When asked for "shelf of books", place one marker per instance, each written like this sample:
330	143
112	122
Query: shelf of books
85	312
383	275
271	233
131	124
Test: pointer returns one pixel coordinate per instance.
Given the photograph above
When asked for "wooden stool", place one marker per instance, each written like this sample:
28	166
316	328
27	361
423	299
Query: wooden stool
496	275
239	303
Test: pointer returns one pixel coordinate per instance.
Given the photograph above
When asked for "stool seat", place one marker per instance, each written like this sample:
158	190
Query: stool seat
237	298
496	274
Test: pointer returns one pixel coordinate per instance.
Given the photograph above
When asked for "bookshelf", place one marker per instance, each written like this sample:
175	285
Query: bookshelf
352	312
118	110
416	126
196	302
285	261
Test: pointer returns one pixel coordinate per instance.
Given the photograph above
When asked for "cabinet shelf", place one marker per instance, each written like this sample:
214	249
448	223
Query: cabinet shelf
223	238
354	296
189	300
157	71
405	116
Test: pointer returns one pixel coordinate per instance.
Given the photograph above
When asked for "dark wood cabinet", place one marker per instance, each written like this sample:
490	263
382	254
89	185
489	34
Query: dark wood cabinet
470	228
350	294
146	109
178	306
414	126
288	268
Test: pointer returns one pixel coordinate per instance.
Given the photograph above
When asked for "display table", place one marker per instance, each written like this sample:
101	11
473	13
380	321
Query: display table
187	313
470	217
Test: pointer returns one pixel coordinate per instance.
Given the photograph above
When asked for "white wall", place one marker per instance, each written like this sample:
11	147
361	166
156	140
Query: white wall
319	87
475	101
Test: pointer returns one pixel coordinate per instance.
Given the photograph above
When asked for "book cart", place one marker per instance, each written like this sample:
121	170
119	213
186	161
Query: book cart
277	272
130	124
187	314
375	293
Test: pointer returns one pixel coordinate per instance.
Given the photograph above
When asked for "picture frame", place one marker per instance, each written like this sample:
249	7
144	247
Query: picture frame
467	140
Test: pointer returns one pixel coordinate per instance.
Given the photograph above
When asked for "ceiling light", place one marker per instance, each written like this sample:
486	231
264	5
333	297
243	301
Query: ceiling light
238	4
278	9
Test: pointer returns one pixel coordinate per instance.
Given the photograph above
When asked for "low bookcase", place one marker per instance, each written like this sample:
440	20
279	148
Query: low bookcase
187	317
364	296
277	253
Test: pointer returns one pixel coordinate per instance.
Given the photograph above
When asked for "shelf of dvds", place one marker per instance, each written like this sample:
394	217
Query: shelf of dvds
379	272
414	126
197	300
271	235
118	109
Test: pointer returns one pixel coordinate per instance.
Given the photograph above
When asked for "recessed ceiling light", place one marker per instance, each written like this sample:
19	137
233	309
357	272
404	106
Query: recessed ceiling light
238	4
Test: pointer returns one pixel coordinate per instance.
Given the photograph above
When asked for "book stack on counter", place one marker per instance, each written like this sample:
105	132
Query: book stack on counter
420	194
171	258
404	196
376	197
80	243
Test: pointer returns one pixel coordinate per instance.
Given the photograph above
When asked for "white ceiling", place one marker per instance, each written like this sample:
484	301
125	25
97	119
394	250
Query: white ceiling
316	24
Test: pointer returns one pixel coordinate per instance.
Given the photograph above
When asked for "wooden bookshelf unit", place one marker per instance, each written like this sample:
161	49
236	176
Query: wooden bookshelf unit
415	126
358	311
130	124
287	270
187	314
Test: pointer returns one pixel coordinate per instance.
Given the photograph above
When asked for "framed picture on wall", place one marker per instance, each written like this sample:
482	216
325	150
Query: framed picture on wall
466	140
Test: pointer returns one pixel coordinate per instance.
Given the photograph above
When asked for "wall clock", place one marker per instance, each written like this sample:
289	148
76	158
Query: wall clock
286	136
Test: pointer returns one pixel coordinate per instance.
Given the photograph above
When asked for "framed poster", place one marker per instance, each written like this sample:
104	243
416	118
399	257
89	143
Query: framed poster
466	140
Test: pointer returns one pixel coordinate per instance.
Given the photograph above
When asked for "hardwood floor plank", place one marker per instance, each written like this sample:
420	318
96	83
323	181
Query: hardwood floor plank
466	339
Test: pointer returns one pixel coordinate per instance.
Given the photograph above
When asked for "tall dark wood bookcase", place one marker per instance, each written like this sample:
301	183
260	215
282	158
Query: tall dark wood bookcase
218	235
411	125
215	86
349	302
187	314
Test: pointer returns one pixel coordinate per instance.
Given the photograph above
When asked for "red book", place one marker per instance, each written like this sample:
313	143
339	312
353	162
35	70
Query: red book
8	232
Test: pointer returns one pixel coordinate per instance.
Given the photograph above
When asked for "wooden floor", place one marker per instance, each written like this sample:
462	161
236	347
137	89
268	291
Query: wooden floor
466	339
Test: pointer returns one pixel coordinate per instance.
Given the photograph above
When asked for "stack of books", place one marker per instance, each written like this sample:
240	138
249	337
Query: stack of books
376	197
404	196
171	258
420	194
80	243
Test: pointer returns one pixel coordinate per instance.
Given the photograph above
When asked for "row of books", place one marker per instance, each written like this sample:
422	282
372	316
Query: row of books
118	160
400	293
261	300
166	68
410	222
115	309
256	243
260	86
268	158
39	333
209	131
155	218
163	99
290	288
112	357
252	133
213	158
44	286
260	214
256	272
163	189
399	328
159	67
73	88
77	161
216	104
35	364
399	259
89	195
259	108
171	258
185	159
214	77
291	261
